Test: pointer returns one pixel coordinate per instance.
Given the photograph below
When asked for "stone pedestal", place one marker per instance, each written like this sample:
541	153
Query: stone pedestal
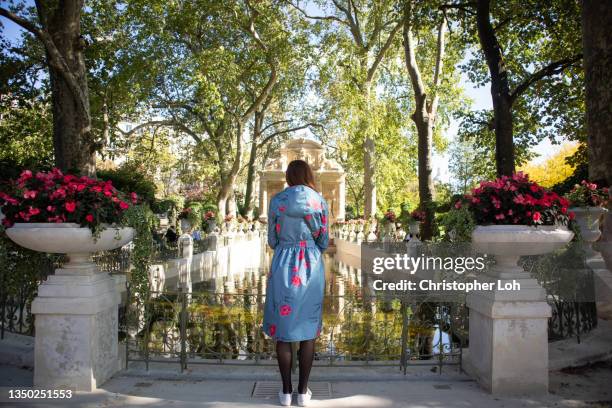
76	324
509	339
508	351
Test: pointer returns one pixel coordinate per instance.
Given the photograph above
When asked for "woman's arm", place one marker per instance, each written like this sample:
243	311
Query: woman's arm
273	229
321	231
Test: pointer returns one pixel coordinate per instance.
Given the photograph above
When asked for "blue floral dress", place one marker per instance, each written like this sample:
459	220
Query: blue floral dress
297	231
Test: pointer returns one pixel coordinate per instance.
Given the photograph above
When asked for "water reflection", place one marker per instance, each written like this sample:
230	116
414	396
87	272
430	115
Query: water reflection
222	315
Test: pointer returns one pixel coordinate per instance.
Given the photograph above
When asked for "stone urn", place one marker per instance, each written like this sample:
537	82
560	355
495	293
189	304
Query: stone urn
185	226
414	229
509	242
389	230
588	219
76	343
508	323
211	225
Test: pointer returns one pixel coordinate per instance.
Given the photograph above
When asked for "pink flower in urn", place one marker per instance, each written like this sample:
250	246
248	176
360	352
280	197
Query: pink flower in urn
285	310
70	206
29	194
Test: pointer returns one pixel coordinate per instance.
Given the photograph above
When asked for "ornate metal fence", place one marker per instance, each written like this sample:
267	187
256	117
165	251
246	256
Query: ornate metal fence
20	274
570	290
221	328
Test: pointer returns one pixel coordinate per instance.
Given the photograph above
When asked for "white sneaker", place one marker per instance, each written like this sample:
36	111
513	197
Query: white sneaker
284	399
304	399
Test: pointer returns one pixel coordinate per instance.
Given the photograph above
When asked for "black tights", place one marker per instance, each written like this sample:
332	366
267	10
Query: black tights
306	356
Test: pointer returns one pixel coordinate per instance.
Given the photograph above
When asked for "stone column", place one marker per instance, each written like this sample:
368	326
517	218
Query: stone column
263	198
341	199
76	343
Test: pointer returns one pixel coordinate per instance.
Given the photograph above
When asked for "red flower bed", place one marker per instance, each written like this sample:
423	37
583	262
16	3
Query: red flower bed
517	201
56	197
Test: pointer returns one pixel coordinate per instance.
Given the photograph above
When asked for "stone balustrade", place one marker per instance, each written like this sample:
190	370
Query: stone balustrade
233	250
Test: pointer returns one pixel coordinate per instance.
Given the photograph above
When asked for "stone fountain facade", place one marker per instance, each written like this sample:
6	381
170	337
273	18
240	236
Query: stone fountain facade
329	176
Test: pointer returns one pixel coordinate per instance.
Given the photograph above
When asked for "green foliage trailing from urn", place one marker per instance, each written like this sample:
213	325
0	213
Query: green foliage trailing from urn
142	219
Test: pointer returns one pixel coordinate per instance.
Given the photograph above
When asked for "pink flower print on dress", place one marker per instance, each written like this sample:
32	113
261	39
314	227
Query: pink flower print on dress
285	310
282	208
302	244
308	217
318	331
278	228
307	264
323	219
323	229
295	269
296	280
272	330
315	204
316	233
301	254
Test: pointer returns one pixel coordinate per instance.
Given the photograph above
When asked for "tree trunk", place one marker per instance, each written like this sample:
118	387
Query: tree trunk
250	183
72	138
248	196
228	179
424	115
369	174
231	207
425	143
369	162
500	90
223	196
597	43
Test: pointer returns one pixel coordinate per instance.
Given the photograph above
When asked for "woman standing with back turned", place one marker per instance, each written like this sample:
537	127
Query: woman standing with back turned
297	231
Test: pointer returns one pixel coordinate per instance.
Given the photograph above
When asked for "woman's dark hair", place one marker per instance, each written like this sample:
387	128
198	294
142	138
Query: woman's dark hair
299	173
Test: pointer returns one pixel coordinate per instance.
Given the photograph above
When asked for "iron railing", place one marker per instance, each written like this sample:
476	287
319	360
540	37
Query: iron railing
570	291
221	328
